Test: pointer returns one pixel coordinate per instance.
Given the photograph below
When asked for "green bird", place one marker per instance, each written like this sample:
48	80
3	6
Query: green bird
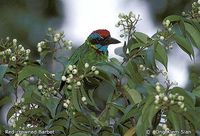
94	49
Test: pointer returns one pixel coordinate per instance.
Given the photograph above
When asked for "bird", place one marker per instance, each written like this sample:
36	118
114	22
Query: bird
94	49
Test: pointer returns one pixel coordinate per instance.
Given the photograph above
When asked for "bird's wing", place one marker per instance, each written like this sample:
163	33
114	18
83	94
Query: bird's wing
73	60
77	55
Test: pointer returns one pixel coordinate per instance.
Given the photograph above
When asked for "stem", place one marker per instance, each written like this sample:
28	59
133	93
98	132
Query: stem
16	70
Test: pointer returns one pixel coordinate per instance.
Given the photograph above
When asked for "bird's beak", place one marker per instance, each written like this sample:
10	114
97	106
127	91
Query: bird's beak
113	41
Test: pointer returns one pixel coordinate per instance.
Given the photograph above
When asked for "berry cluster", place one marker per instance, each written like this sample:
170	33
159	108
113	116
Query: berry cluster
168	99
73	79
165	34
54	42
47	89
19	108
11	53
69	106
195	12
127	22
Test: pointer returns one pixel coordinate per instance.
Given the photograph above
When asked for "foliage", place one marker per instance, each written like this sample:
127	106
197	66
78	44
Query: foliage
105	98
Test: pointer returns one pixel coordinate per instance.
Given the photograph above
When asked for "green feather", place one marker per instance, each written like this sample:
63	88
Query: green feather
84	54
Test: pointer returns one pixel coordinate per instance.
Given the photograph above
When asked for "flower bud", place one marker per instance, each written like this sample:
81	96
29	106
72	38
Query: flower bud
162	37
117	25
152	76
93	68
22	99
96	72
40	87
157	97
70	67
63	78
156	101
68	101
172	102
13	58
49	29
78	83
83	99
86	65
69	87
68	80
180	98
65	105
22	49
121	15
28	51
167	23
70	76
141	66
170	95
161	95
39	49
20	46
183	13
74	71
182	105
158	88
8	51
69	43
165	98
14	41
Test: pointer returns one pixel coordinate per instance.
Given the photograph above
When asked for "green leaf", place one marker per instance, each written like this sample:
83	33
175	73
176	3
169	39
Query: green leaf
150	58
189	98
58	128
43	54
33	71
133	73
161	54
136	46
148	113
173	18
184	44
194	33
196	91
175	119
89	99
21	121
75	100
80	134
130	132
3	69
133	95
51	104
11	111
193	116
4	100
141	37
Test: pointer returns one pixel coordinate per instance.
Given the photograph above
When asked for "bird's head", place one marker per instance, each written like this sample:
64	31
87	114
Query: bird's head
102	37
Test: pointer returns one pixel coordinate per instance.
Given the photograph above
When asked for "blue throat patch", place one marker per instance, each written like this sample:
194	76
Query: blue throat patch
100	48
